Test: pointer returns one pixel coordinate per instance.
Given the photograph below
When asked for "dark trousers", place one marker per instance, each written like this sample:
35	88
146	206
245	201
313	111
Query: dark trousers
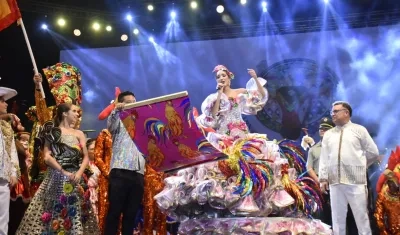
17	211
125	193
326	214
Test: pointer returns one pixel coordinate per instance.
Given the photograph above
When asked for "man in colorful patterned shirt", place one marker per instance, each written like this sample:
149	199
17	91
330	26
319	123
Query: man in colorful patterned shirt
126	174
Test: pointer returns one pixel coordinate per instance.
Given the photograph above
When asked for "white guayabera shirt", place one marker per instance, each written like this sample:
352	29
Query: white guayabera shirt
346	153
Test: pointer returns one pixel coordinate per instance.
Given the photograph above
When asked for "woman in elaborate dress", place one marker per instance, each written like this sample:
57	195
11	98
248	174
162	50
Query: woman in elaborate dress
62	203
258	178
223	111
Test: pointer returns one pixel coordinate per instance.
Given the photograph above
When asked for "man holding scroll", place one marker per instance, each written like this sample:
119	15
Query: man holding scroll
126	174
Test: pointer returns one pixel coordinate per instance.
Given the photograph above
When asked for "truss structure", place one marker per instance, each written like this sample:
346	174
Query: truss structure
204	32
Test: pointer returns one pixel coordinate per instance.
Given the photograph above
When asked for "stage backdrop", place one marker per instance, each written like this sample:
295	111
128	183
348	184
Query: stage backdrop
305	73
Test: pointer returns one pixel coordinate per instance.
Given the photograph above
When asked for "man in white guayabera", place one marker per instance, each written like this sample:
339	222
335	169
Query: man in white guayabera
347	151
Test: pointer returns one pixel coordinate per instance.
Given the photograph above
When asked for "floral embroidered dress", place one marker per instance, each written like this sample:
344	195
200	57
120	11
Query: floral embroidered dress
59	206
232	137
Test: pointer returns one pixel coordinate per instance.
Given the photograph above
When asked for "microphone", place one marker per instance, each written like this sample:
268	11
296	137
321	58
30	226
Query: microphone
219	88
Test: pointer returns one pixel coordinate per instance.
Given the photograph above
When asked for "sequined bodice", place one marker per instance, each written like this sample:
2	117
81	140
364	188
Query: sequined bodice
70	140
232	118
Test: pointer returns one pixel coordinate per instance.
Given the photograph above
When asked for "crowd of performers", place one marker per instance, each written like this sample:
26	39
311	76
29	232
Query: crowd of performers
56	181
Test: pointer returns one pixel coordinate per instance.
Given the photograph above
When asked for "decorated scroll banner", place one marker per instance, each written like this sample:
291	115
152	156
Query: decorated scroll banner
165	131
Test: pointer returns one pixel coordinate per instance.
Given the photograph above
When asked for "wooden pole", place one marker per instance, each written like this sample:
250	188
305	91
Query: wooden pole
28	44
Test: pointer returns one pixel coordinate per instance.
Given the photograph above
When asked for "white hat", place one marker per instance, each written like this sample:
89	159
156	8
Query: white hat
7	93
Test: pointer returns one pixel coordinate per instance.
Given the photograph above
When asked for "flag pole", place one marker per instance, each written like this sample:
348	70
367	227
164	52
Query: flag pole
28	44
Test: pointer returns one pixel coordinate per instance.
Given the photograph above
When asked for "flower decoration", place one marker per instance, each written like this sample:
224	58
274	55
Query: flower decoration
46	217
64	212
55	225
62	232
222	67
72	199
68	188
63	199
71	211
67	224
58	207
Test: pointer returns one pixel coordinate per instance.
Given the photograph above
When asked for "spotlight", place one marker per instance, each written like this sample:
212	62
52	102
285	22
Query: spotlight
124	37
265	9
77	32
264	4
61	22
243	2
96	26
44	26
220	9
173	14
326	1
151	39
150	7
108	28
129	17
193	4
136	31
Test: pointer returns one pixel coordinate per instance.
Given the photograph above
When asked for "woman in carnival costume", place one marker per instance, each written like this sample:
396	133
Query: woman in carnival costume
62	203
259	178
65	84
387	211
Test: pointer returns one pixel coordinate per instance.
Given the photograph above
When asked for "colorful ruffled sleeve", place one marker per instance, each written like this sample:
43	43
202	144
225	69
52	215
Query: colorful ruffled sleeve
102	147
206	119
252	100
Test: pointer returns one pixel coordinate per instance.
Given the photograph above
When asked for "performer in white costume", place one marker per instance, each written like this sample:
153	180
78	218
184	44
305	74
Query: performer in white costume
9	165
347	151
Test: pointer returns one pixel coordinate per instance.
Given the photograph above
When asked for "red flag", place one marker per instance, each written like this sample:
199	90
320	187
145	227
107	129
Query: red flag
9	13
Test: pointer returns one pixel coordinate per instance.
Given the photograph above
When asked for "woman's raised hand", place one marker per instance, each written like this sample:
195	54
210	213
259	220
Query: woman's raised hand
252	73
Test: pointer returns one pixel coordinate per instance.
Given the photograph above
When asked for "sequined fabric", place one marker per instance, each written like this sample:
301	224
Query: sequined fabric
9	165
387	212
154	219
125	153
59	206
38	114
102	154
